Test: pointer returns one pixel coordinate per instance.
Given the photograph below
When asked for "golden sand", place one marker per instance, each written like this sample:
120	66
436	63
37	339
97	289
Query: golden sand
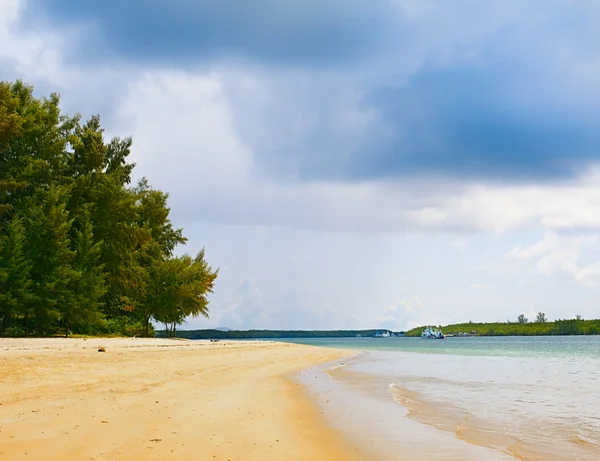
150	399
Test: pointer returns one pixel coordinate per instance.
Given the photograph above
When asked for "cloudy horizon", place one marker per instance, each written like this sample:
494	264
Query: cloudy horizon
380	164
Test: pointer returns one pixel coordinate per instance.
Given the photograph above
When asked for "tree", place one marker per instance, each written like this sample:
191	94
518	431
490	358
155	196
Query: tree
87	283
522	319
10	119
178	288
10	127
198	281
541	317
99	174
14	272
159	273
49	250
7	188
79	246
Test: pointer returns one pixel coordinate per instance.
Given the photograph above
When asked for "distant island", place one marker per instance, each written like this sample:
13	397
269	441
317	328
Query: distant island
274	334
522	327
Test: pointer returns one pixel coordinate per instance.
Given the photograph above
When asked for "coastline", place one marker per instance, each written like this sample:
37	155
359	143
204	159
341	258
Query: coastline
362	407
503	400
153	399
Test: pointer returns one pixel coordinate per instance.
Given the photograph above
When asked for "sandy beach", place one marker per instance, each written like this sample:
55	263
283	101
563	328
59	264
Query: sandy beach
147	399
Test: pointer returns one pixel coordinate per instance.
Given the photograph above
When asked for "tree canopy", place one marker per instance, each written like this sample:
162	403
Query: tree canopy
575	326
82	249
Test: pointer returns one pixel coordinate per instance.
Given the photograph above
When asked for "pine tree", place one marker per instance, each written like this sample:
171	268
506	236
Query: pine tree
10	128
14	272
87	280
77	242
52	272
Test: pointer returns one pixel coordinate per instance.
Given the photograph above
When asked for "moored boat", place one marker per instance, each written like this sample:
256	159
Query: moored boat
430	333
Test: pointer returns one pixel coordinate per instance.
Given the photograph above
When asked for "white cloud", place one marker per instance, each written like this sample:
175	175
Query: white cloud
183	133
477	286
557	254
398	315
35	55
404	307
460	244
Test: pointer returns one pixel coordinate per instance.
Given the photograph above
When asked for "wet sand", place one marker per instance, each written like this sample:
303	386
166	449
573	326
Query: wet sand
150	399
362	407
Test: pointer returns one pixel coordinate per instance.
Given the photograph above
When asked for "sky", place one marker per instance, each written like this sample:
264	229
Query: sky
349	164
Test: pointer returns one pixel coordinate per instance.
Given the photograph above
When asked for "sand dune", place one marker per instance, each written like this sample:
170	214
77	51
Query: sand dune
150	399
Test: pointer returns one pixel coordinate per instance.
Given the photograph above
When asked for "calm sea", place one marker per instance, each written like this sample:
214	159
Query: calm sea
528	398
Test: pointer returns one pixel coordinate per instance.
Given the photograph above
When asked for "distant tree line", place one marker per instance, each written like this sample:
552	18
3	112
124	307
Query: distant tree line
539	318
522	327
271	334
82	250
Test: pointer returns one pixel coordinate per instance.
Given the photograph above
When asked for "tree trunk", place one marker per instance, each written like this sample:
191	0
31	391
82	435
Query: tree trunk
4	323
27	324
146	333
38	325
66	328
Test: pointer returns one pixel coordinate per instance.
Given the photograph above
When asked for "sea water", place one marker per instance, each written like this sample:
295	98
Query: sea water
474	398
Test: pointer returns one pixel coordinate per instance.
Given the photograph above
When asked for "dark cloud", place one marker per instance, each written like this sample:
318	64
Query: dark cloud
185	32
472	122
510	113
494	102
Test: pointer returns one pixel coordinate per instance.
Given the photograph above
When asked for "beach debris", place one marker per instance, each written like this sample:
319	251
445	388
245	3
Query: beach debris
155	440
104	422
101	349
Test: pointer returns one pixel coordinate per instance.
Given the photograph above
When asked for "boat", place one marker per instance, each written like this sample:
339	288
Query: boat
385	334
430	333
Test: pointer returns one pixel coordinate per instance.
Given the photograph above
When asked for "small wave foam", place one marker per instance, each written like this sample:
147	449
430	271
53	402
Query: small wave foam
581	441
329	372
453	419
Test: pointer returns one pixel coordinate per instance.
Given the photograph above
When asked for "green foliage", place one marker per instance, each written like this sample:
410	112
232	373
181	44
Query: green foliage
179	288
87	284
558	327
79	246
15	283
51	258
122	325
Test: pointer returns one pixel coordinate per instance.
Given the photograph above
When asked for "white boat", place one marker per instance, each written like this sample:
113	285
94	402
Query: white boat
385	334
430	333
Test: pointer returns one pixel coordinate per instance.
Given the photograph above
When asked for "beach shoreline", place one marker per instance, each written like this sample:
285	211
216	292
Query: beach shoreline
475	399
162	399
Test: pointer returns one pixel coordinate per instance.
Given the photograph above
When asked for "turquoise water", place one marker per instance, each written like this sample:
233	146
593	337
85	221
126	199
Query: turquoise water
546	346
528	398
